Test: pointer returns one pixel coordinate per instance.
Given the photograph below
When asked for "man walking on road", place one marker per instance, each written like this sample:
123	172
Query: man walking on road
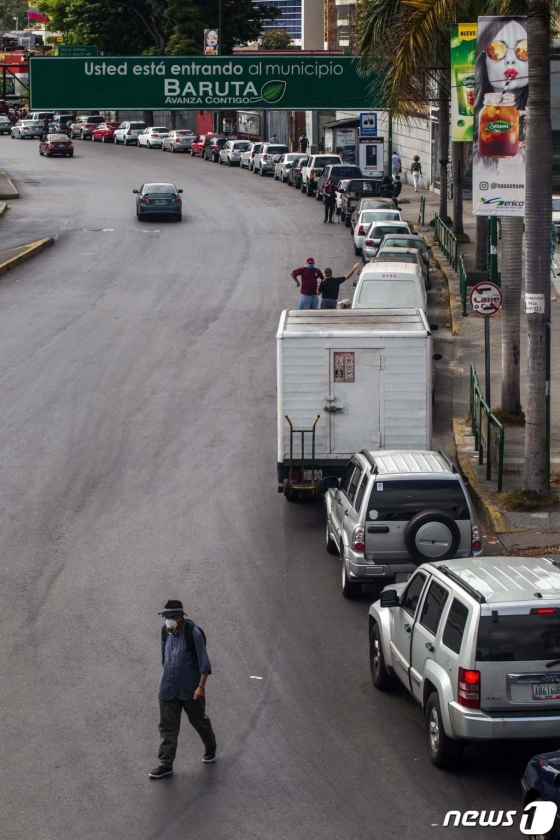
330	287
310	276
186	668
329	198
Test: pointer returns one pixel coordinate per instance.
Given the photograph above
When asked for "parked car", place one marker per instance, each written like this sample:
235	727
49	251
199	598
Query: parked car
477	643
377	232
5	125
84	126
63	121
540	783
198	145
152	137
390	285
411	256
392	240
368	204
212	150
104	132
356	189
263	159
231	152
313	169
284	164
339	190
179	140
158	199
40	116
365	219
336	172
248	154
294	174
25	129
56	144
127	133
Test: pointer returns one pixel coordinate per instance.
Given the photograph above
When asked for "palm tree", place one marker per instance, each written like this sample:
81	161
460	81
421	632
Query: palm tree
538	213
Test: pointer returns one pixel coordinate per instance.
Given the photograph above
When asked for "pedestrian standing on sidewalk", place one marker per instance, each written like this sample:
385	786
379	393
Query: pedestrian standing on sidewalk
396	164
416	170
310	277
329	199
330	287
303	142
397	187
186	668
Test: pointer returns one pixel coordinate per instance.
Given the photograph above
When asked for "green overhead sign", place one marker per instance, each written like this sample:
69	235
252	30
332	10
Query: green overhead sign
73	50
211	83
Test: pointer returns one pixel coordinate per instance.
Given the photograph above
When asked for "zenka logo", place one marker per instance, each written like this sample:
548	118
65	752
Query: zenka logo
537	818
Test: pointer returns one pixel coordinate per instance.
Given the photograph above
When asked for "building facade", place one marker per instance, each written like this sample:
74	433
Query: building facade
291	18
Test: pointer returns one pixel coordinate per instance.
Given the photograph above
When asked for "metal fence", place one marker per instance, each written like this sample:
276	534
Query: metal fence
463	288
447	241
487	431
422	212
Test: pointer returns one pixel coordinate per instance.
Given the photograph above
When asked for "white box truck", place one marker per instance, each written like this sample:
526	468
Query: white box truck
349	379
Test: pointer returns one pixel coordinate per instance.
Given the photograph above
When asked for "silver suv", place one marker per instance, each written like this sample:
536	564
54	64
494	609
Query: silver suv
477	643
392	511
263	160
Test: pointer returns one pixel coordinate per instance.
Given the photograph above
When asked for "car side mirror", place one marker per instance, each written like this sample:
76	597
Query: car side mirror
389	598
134	191
428	247
434	327
330	482
179	191
437	357
354	283
466	481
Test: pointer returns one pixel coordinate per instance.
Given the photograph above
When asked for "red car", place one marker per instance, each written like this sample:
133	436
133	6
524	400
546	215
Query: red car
104	132
56	144
200	144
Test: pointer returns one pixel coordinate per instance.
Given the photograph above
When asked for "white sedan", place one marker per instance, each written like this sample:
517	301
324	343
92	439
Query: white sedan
152	138
365	219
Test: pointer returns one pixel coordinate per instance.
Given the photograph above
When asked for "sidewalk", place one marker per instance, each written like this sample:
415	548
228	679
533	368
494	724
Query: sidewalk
524	530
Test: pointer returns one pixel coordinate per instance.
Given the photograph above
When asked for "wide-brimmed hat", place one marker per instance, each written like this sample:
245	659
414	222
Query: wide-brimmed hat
172	608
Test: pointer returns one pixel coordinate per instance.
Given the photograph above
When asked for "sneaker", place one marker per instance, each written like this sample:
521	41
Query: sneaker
209	756
160	772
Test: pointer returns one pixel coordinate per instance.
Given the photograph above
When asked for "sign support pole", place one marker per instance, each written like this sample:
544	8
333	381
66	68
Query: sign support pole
219	27
493	277
389	144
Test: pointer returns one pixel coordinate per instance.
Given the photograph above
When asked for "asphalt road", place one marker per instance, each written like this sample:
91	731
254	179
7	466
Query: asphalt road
137	461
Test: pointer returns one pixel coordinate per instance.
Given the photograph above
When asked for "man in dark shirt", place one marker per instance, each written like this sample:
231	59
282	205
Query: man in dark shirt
310	276
186	668
330	287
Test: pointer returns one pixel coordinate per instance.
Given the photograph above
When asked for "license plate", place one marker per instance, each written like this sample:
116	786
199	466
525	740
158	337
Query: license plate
161	201
546	691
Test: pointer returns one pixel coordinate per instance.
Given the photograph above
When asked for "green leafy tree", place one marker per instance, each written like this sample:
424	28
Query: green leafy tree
275	39
10	9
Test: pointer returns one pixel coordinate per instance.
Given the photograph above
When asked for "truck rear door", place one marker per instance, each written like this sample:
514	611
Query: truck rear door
354	400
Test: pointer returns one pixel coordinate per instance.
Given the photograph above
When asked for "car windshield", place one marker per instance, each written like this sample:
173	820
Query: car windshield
396	256
404	243
374	204
55	137
94	119
183	133
361	186
345	171
136	125
324	160
382	215
556	205
159	188
291	156
160	130
277	150
518	638
379	231
240	145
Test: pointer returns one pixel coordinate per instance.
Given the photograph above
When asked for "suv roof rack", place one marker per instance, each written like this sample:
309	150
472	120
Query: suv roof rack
478	596
448	461
369	457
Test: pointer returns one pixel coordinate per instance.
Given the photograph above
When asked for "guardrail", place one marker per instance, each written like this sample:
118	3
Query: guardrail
422	212
447	241
487	431
463	289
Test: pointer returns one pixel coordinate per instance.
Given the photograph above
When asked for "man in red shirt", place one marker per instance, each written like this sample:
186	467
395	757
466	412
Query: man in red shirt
310	277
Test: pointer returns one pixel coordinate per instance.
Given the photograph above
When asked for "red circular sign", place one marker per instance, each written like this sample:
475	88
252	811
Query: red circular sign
486	299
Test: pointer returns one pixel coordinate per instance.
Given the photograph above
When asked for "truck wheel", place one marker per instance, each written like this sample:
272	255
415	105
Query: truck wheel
288	495
380	677
443	751
349	590
331	546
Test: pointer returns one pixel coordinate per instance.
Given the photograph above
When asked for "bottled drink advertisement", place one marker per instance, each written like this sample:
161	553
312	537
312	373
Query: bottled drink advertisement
463	60
500	102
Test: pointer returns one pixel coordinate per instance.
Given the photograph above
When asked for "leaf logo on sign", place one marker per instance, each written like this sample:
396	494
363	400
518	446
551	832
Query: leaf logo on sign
273	91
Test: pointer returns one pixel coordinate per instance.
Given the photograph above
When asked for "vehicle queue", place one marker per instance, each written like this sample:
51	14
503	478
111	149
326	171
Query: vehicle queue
475	640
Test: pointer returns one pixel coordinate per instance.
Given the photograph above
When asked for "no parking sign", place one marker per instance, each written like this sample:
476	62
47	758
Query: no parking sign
486	299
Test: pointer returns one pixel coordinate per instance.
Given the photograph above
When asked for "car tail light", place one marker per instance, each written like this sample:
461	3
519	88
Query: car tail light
143	200
476	542
311	174
544	611
294	476
176	200
299	168
369	242
129	131
361	231
216	147
358	537
469	688
265	157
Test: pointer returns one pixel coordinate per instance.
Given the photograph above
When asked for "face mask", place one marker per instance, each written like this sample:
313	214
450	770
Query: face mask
310	265
171	624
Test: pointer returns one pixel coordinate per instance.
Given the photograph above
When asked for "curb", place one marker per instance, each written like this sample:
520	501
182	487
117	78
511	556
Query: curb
453	307
30	251
3	207
491	512
14	194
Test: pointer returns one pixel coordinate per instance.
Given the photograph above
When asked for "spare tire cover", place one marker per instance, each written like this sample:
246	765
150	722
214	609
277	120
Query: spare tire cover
432	535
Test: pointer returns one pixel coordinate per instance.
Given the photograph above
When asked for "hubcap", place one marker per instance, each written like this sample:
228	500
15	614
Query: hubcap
376	656
433	539
434	731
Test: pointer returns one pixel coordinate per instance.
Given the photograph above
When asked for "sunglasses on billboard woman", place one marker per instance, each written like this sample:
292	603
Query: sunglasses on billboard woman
497	50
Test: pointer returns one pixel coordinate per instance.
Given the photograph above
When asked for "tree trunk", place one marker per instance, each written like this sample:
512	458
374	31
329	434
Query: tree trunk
458	169
172	120
443	97
481	257
512	239
538	213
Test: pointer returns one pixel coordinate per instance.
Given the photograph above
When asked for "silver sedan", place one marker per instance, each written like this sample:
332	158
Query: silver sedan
180	140
283	165
27	128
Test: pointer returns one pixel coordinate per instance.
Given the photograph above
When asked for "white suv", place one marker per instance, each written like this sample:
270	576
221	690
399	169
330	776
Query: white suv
392	511
128	132
477	643
313	170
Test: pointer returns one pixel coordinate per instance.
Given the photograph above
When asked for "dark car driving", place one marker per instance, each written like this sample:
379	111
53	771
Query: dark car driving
336	172
541	782
158	199
355	189
56	144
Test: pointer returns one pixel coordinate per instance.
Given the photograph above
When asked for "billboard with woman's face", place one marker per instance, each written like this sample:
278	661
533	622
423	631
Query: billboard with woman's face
501	90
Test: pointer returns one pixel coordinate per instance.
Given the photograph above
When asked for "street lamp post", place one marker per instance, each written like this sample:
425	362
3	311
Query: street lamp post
17	23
